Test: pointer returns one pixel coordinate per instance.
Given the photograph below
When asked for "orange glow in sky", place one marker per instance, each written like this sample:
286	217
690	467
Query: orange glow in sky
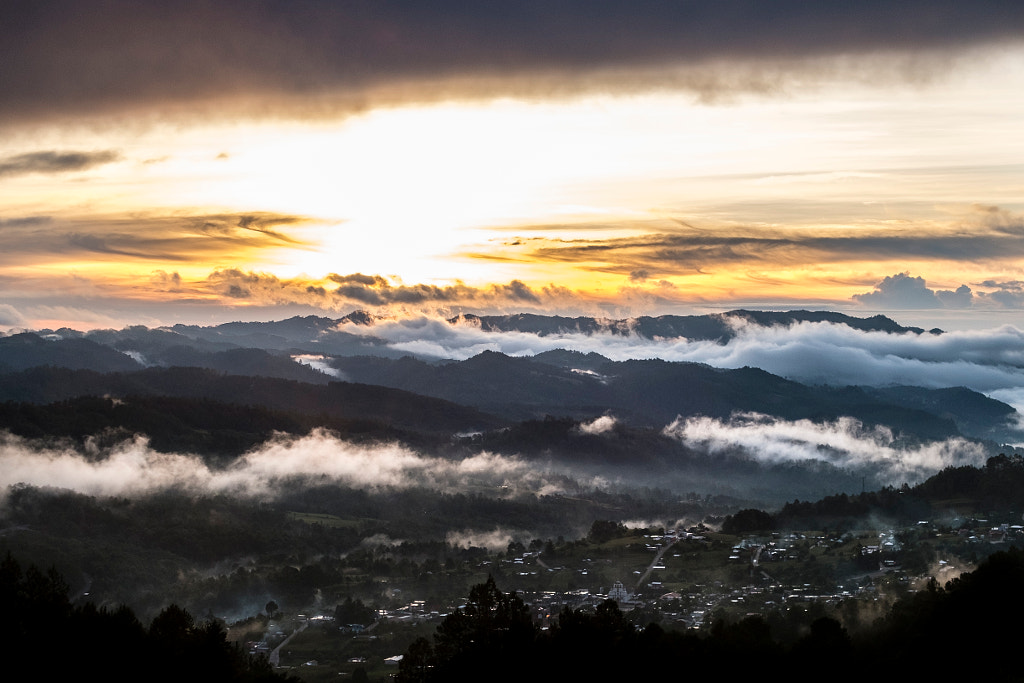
642	195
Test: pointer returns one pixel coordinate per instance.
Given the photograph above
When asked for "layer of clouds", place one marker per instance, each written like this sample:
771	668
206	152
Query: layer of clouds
843	443
991	238
149	237
133	468
337	292
79	58
661	249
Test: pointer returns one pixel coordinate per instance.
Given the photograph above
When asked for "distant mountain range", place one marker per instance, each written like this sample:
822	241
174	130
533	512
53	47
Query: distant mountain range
331	336
222	389
719	328
652	393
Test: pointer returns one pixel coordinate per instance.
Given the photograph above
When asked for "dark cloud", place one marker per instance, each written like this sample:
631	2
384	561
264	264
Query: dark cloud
108	244
1008	298
79	57
359	279
265	223
54	162
1008	293
900	291
962	297
373	290
25	221
381	293
515	291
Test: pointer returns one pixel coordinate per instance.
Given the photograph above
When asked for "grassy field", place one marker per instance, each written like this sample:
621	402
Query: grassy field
324	653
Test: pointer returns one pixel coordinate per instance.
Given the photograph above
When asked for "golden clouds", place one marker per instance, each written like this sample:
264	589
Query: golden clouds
131	240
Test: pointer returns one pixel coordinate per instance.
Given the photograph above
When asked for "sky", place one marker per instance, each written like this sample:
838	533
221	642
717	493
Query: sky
201	162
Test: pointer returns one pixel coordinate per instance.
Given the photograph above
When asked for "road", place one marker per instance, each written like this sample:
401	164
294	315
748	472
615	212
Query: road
654	562
275	654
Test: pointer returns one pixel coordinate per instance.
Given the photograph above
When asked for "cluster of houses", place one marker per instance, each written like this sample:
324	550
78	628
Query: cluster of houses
691	608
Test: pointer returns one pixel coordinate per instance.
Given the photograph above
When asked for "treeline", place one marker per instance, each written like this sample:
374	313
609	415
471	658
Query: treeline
999	485
46	637
220	431
943	632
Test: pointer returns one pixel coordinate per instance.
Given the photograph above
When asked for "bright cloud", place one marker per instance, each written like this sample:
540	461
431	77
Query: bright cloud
844	443
133	468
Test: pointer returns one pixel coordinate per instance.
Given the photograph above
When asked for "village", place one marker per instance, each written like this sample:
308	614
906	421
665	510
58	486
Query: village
682	579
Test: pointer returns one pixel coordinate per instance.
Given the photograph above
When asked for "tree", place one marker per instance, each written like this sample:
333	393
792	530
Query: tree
748	520
271	609
493	632
416	663
602	531
173	648
353	612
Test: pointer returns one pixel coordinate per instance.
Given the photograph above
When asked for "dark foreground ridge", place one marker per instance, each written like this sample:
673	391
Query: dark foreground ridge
55	640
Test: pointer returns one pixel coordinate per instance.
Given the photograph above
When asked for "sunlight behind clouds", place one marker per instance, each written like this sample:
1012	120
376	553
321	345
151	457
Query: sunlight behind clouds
402	190
633	198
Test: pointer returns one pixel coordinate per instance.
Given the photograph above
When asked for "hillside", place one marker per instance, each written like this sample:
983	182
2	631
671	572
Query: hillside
333	400
653	393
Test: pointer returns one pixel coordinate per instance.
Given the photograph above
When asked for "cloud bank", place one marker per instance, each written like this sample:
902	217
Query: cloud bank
132	468
902	292
844	443
339	292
